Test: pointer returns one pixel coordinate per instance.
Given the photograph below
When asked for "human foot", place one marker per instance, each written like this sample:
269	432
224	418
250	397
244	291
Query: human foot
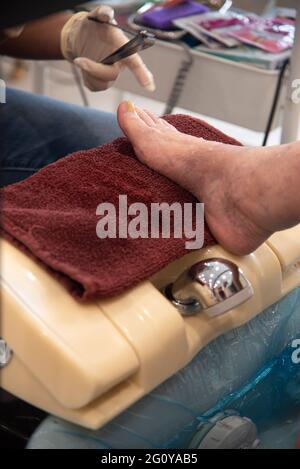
217	174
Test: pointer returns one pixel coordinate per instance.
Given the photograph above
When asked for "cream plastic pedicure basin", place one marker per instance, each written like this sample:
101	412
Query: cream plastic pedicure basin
88	362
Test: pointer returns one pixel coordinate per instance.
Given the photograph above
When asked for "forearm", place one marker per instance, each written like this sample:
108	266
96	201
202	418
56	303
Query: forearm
39	40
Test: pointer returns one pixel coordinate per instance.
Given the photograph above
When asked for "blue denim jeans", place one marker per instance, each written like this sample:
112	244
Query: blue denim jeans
36	131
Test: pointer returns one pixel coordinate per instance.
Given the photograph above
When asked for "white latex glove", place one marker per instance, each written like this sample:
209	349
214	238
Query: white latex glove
86	43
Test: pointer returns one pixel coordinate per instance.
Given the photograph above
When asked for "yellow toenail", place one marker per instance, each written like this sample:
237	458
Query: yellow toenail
130	106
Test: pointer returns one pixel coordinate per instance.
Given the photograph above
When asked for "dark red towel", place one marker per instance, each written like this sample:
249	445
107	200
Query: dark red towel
52	215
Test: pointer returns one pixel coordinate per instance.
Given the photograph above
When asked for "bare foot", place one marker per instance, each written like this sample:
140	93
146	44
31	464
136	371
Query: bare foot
222	176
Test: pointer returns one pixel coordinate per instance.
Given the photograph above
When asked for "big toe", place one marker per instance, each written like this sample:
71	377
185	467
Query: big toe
130	122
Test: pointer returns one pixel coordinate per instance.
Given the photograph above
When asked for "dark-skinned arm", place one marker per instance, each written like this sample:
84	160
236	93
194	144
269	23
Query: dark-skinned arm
39	40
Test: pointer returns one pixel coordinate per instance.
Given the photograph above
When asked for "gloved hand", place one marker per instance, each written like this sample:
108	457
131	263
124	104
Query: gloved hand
86	43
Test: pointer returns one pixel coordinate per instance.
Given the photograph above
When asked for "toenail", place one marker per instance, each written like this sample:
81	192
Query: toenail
130	106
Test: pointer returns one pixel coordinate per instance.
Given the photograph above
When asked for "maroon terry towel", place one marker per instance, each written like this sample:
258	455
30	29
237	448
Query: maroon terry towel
52	215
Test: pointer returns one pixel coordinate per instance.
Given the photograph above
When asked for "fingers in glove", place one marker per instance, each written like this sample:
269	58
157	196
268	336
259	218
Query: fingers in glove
95	84
103	13
98	71
140	71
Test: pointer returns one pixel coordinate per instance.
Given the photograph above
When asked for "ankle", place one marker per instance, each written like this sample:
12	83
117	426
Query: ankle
248	188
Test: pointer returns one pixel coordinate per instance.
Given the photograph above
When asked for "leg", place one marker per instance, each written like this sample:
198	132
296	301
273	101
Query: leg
249	193
36	131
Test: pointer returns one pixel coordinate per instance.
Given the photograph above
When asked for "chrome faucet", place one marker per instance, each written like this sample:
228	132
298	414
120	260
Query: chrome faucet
213	286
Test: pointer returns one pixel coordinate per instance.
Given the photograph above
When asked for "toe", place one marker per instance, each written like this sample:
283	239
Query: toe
152	116
145	116
130	122
166	124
